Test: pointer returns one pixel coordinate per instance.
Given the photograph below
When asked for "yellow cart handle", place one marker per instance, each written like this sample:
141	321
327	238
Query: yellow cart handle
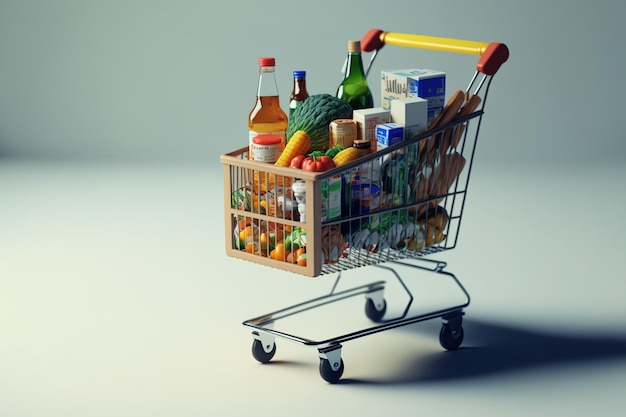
492	55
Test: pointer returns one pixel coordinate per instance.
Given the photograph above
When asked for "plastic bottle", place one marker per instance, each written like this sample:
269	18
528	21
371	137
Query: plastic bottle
354	88
267	117
299	92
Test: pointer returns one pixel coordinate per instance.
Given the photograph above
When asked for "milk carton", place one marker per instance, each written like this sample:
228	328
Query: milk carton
416	82
412	113
388	134
367	120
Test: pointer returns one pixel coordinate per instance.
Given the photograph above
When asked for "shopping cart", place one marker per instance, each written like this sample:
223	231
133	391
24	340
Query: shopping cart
390	210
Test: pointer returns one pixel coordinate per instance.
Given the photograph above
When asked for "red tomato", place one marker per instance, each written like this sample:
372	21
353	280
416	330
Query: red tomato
296	161
318	163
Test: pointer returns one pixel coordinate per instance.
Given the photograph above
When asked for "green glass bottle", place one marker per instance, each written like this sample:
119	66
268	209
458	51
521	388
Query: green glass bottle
354	88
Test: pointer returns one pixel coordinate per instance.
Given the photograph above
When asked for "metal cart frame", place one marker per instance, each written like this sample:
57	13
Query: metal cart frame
457	131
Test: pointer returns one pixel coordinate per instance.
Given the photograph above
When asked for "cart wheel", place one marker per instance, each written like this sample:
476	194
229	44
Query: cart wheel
260	354
373	313
327	373
450	340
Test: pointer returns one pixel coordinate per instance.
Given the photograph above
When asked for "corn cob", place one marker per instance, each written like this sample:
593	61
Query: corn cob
299	144
347	155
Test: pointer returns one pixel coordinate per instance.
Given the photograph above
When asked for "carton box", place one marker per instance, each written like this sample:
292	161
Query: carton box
416	82
388	134
367	120
331	198
412	113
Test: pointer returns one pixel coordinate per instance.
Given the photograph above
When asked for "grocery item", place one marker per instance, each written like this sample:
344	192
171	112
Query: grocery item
415	82
389	134
342	132
314	117
367	120
331	197
333	244
412	113
296	161
365	198
266	148
267	117
299	192
346	155
317	163
299	144
332	152
362	146
299	92
354	88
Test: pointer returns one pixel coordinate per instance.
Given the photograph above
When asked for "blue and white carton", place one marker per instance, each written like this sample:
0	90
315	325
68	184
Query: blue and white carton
415	82
388	134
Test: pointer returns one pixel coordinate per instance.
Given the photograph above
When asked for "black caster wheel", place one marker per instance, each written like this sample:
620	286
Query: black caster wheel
374	314
327	373
449	339
260	354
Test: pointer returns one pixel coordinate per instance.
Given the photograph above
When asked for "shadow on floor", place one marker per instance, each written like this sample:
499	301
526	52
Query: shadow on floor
490	349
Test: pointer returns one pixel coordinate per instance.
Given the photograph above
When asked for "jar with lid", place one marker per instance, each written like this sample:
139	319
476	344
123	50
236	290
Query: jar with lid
363	146
266	147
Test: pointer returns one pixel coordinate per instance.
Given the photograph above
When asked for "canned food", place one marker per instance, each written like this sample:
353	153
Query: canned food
342	132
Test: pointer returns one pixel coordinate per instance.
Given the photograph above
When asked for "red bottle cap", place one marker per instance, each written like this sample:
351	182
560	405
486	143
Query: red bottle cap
267	62
267	139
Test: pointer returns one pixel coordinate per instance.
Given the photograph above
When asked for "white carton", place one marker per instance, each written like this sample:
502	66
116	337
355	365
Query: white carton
415	82
412	113
367	120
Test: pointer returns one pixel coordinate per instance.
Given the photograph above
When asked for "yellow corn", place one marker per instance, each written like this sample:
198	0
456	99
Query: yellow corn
346	155
299	144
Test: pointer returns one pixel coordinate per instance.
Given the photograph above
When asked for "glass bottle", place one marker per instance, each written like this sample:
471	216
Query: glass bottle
267	117
354	88
299	92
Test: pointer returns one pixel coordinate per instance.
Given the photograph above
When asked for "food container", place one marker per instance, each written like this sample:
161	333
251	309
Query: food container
266	148
342	132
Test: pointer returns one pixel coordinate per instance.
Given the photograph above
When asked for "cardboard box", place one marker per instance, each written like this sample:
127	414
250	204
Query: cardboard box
416	82
388	134
367	120
412	113
331	198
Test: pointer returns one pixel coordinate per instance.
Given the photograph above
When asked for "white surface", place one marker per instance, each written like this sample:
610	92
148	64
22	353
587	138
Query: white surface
116	298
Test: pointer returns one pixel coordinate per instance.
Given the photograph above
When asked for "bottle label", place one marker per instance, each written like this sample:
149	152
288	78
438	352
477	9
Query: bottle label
292	106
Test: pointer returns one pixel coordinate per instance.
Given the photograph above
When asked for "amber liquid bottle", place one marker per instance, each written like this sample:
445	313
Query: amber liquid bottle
354	88
267	117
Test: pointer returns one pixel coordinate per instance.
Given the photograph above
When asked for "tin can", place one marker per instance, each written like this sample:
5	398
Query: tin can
266	148
342	132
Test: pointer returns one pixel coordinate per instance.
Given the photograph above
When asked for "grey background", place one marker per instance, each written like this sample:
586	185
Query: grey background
173	81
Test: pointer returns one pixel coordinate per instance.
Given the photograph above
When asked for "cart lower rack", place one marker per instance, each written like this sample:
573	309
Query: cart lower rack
389	210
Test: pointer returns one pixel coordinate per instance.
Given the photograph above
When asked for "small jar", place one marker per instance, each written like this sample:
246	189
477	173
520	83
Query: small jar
363	146
266	148
342	132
